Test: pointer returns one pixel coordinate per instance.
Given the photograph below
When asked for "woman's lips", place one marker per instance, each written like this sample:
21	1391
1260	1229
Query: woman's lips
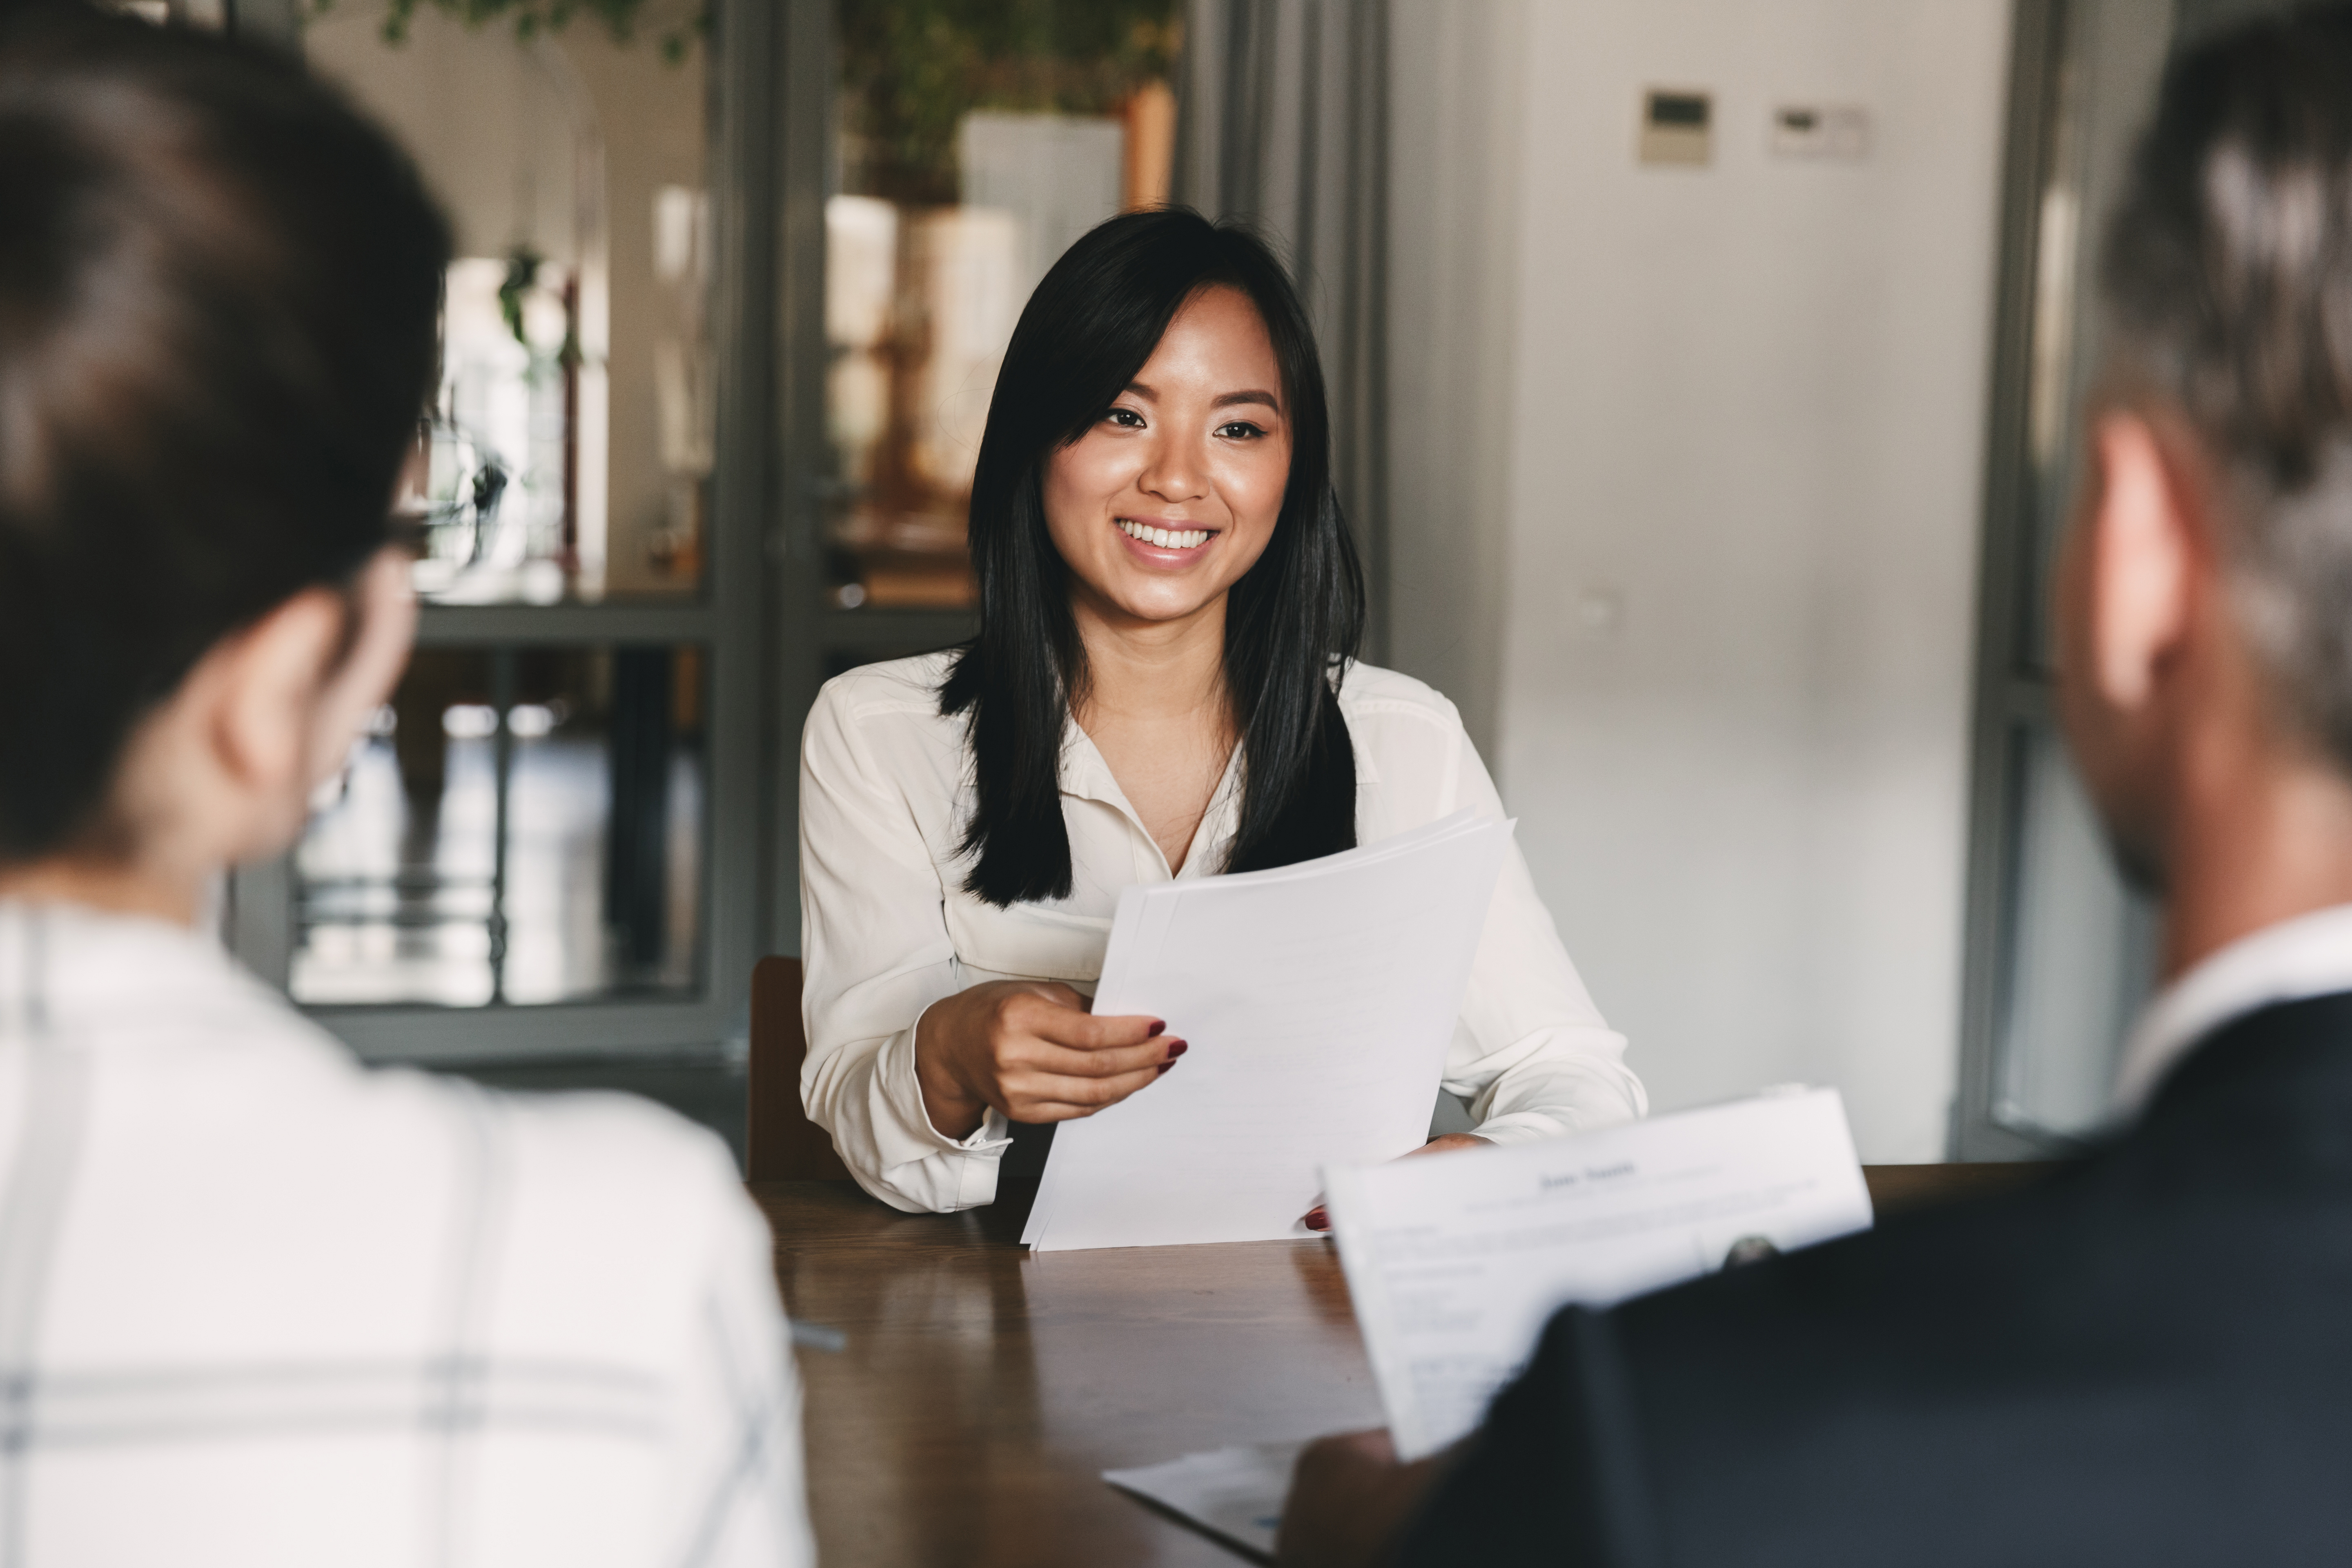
1175	539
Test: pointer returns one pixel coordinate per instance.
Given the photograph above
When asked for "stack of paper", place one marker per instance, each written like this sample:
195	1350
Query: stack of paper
1317	1000
1235	1494
1456	1261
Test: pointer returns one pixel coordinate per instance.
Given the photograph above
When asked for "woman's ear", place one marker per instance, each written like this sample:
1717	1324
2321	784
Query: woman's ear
385	627
291	692
267	681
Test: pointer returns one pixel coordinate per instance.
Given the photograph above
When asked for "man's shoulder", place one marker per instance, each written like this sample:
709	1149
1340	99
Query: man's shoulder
2066	1350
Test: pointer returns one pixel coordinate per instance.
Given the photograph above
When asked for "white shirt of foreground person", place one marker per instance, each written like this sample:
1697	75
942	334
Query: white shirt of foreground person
260	1307
886	928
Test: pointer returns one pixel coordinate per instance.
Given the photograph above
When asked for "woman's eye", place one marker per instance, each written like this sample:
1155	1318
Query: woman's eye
1125	418
1239	430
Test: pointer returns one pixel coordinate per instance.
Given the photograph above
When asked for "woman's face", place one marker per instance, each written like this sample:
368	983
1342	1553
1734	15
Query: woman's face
1171	495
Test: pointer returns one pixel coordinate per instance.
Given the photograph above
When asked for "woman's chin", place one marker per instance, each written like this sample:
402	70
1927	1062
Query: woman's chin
1159	600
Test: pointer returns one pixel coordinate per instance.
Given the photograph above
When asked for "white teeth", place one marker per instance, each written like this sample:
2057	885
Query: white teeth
1165	538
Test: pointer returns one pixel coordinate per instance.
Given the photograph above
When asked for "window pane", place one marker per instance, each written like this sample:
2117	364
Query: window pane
523	825
2084	955
976	143
571	447
2113	53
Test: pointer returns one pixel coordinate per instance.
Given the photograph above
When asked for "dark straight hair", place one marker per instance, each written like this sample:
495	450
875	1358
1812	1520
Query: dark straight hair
218	287
1293	622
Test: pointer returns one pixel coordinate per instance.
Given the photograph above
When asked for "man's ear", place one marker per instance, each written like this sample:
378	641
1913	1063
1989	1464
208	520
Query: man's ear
2142	550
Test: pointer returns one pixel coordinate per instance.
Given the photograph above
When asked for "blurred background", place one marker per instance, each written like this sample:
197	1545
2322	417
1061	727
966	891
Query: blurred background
1702	373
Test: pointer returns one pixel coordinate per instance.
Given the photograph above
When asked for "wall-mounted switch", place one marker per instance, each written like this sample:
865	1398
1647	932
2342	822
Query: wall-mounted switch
1678	126
1833	130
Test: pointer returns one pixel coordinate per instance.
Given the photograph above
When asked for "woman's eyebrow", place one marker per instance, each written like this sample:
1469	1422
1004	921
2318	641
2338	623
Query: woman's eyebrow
1144	390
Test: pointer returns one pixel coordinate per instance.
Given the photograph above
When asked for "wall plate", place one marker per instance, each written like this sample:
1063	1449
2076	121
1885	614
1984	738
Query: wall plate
1678	126
1836	131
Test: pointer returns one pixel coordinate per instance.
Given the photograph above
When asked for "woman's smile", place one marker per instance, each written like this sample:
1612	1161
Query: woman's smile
1164	542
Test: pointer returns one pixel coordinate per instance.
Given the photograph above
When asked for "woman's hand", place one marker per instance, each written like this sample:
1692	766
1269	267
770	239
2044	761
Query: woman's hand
1030	1049
1320	1218
1440	1144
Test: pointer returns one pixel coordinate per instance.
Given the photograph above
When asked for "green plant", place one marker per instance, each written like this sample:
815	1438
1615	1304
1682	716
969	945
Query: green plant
532	18
910	69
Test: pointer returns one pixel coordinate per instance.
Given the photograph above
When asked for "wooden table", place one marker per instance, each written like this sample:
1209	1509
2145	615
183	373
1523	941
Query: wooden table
984	1389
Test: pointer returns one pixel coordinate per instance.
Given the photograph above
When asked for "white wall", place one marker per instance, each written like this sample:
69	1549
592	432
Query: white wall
1455	159
1725	584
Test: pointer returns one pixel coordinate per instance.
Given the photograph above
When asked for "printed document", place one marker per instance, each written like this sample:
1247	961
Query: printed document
1235	1494
1317	1001
1456	1261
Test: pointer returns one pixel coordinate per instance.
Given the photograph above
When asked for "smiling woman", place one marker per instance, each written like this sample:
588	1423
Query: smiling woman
1162	380
1164	685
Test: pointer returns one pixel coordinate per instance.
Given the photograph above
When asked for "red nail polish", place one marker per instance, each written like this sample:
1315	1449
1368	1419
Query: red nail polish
1316	1218
1176	1048
1156	1027
1163	1067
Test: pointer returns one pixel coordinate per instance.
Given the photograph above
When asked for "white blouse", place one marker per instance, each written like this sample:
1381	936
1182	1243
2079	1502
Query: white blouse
886	928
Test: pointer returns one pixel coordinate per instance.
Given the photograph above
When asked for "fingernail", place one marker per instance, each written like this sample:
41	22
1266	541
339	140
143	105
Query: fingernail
1176	1048
1156	1027
1163	1067
1316	1218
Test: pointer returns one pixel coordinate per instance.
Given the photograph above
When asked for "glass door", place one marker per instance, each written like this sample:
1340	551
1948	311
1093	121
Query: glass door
970	145
733	282
938	157
551	839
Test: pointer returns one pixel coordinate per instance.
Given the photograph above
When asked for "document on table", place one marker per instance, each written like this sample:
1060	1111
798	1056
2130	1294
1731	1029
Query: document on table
1235	1494
1317	1000
1455	1262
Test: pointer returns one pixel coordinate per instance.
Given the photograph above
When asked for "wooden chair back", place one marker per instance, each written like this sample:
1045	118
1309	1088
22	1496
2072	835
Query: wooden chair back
781	1144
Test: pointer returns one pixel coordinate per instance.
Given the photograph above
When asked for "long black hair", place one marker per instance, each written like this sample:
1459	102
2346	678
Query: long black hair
1293	622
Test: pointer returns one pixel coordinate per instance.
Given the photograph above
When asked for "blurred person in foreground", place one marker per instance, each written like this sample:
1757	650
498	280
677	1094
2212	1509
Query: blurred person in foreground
2144	1361
258	1306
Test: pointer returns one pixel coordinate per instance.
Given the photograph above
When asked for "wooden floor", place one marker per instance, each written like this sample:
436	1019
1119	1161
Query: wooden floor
983	1389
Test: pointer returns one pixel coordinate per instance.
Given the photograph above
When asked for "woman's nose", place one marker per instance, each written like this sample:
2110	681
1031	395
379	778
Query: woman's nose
1175	472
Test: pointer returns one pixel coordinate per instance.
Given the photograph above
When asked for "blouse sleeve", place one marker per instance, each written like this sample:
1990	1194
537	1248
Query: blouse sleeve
1531	1054
875	953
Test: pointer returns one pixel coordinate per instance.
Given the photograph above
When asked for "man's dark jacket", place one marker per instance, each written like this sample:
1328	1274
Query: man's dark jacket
2146	1361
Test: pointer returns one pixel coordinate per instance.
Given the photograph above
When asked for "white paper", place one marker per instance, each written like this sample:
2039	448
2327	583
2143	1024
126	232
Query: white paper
1456	1261
1235	1494
1317	1001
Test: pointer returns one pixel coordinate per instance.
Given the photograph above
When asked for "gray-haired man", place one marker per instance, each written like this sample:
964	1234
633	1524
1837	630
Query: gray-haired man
2145	1361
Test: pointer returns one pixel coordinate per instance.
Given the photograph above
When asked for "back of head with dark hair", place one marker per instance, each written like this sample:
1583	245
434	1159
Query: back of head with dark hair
1292	622
2228	275
218	296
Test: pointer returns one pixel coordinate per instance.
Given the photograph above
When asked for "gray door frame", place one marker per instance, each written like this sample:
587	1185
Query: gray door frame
2009	696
